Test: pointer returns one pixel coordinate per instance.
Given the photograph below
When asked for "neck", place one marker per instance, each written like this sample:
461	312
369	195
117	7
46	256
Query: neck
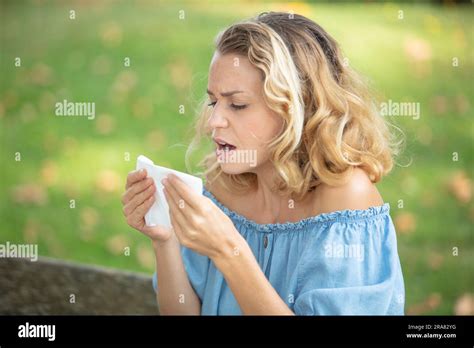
268	202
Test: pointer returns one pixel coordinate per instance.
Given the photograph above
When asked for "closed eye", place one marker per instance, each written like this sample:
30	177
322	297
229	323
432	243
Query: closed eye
234	106
238	107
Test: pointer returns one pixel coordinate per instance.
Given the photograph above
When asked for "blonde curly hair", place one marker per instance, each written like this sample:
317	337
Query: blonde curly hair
331	121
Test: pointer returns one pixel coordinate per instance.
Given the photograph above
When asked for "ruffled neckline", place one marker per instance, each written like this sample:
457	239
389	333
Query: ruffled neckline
340	215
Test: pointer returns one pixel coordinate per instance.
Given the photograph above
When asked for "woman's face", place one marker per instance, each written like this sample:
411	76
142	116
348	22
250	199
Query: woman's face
240	116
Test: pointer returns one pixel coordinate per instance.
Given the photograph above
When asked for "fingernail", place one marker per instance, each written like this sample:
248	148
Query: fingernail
164	181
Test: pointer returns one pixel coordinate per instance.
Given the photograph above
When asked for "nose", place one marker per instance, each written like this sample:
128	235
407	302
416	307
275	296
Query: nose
216	120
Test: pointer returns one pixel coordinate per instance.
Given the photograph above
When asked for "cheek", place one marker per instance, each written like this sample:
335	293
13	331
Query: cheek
261	128
256	130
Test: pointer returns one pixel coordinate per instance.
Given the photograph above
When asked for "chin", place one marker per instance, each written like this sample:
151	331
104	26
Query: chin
235	168
237	161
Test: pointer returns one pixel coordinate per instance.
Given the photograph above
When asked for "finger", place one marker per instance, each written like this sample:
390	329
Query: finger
175	211
136	188
179	203
135	176
138	200
183	190
139	213
176	228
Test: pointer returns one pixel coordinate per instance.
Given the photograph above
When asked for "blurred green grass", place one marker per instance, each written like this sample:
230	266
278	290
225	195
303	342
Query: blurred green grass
137	112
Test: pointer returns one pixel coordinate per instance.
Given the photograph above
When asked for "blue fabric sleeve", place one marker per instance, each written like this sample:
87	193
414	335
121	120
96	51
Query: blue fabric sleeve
351	267
196	266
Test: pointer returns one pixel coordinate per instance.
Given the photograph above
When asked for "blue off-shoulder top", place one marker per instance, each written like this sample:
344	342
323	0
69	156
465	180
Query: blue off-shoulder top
339	263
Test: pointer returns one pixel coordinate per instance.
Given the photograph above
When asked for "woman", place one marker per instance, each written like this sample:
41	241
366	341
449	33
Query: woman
301	228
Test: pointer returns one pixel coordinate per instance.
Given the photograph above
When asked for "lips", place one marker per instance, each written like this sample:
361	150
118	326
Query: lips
224	145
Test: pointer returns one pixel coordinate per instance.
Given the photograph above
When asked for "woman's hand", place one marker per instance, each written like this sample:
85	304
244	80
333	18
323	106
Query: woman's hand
198	223
137	199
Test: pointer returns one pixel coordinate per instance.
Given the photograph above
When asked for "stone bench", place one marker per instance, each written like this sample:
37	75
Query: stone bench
48	286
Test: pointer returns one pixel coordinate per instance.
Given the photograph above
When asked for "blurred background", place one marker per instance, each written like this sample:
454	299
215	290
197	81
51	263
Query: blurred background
144	64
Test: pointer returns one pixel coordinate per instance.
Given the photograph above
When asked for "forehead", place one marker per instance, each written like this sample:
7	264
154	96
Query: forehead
232	72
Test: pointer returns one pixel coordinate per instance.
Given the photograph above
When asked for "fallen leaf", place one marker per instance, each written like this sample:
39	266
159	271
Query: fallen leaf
124	82
49	172
405	223
41	74
105	124
180	74
53	243
429	304
29	193
71	189
417	49
89	219
101	65
145	256
155	139
142	108
439	104
459	38
10	98
462	104
410	185
460	186
31	230
111	34
116	244
435	260
428	199
464	305
108	180
419	53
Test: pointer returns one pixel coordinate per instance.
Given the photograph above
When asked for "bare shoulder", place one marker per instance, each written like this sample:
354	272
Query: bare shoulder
358	193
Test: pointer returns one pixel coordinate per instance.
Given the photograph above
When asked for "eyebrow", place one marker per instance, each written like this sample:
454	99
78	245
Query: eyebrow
226	94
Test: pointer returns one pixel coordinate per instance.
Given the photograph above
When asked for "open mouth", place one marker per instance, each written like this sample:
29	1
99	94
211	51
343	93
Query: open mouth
226	147
223	146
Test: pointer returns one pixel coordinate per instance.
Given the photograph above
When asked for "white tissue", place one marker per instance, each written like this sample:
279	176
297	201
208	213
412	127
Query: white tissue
158	213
